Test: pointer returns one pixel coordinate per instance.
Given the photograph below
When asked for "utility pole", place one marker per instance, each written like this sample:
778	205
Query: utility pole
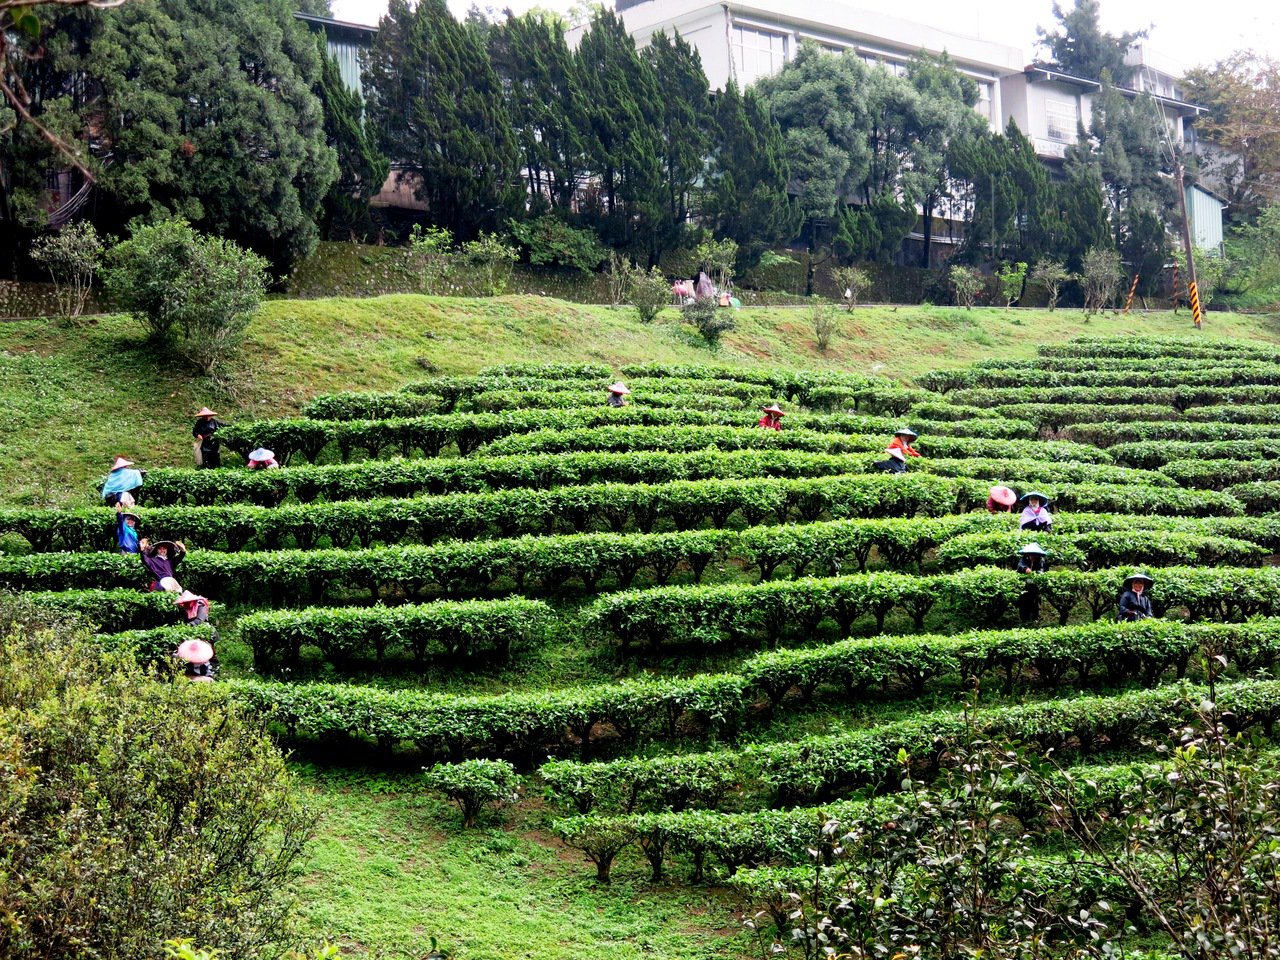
1192	289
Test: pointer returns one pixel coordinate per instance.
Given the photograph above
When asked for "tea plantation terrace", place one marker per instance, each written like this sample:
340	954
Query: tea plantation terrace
701	638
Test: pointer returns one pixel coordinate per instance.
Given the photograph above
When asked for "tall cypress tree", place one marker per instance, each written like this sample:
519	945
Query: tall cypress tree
621	135
543	98
684	122
437	107
361	168
746	198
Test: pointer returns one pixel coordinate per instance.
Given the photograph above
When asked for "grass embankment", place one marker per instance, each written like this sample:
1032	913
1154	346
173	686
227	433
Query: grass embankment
66	396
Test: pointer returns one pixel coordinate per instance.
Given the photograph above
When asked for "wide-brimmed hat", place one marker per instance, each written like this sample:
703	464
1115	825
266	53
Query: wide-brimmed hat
126	513
1042	497
176	552
905	432
620	388
194	651
262	453
774	409
1144	577
186	596
1004	496
121	462
1034	548
205	412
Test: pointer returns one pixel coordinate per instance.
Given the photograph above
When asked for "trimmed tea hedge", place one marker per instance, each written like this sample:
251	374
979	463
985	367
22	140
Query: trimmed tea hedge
110	610
689	438
422	631
739	613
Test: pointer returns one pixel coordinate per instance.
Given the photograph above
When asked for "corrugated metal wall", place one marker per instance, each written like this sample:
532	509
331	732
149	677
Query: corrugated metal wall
1205	211
347	53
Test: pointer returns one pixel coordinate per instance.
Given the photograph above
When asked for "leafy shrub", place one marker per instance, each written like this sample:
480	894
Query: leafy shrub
474	785
620	269
490	262
852	283
825	323
648	293
133	811
171	277
718	258
1051	275
1011	278
71	256
966	283
708	319
1101	270
431	250
552	242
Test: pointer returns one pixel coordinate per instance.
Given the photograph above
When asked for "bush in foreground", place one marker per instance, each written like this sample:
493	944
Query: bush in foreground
133	811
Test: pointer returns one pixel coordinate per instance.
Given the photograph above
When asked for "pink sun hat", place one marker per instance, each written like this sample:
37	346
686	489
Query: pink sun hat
620	388
1003	496
194	651
120	463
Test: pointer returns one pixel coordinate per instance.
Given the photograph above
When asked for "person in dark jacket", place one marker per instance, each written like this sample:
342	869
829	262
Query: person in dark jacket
126	530
618	394
1134	602
198	660
1032	558
195	610
159	558
206	445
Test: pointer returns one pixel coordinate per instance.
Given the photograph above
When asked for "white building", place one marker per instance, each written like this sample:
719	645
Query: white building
750	40
745	40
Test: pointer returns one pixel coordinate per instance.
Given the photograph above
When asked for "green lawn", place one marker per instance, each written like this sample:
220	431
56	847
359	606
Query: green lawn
393	868
66	396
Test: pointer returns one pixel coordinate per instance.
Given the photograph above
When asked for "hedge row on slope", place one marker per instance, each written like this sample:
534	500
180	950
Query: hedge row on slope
1161	348
618	508
466	432
734	840
1212	372
1154	454
1056	416
109	610
820	768
685	439
1180	398
683	504
602	561
750	613
1106	434
460	393
528	726
531	564
407	478
421	631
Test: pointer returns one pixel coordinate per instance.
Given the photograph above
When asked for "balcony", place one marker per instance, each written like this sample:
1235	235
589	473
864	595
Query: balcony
1053	149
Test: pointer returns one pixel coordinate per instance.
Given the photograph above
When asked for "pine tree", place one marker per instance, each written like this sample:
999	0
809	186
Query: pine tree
545	104
1083	212
622	136
684	122
1082	48
362	170
437	107
746	198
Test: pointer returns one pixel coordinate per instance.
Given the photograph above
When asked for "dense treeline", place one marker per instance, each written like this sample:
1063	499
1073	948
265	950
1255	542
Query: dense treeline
503	127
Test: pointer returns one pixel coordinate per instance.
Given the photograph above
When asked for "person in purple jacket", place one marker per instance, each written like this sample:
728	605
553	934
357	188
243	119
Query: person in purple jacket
160	558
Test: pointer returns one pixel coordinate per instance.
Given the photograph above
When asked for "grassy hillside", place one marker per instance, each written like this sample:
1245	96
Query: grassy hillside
68	395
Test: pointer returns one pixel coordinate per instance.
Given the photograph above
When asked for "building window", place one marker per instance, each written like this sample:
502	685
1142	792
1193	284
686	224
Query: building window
984	101
1061	120
757	53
